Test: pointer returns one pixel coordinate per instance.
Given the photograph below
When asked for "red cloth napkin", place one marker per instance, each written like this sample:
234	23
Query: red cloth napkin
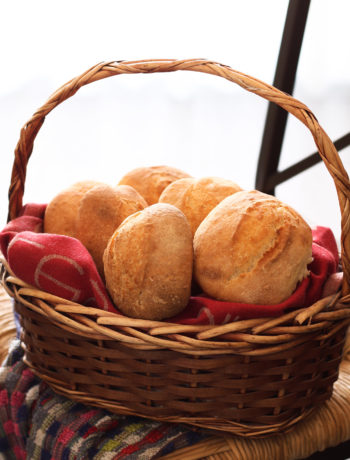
62	266
57	264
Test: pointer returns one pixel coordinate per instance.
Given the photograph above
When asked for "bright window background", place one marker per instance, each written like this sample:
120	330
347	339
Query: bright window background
199	123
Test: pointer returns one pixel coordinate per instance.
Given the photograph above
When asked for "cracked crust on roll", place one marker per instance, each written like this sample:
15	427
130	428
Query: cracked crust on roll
252	248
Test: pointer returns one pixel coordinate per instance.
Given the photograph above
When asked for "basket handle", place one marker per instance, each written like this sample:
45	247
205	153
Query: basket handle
323	143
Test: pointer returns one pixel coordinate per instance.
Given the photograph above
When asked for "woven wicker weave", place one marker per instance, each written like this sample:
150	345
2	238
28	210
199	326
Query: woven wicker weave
250	378
327	427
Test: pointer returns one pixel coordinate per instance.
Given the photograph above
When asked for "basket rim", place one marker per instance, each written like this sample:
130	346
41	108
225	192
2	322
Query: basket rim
252	337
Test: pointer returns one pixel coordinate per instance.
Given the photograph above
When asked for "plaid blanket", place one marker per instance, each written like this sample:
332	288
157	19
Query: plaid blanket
37	424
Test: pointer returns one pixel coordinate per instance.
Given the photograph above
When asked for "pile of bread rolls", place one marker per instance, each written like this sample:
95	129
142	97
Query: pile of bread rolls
160	230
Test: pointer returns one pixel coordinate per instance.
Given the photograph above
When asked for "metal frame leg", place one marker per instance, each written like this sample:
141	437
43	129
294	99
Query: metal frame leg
286	69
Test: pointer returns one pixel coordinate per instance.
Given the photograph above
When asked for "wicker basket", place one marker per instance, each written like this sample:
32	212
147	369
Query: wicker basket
251	378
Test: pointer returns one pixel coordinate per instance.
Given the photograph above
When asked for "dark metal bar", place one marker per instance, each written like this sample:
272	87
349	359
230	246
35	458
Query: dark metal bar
284	80
281	176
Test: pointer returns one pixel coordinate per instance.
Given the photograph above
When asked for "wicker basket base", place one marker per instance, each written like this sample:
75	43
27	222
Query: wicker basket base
327	427
243	395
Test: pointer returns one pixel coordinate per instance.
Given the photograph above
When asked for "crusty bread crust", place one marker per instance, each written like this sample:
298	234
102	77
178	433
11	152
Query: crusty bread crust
252	248
102	209
148	263
197	197
150	181
61	213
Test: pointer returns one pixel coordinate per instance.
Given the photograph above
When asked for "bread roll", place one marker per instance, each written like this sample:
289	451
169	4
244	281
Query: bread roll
61	212
150	181
101	211
148	263
252	248
197	197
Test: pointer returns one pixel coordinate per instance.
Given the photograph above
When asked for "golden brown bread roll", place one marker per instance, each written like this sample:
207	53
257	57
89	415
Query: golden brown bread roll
150	181
101	211
61	212
252	248
197	197
148	263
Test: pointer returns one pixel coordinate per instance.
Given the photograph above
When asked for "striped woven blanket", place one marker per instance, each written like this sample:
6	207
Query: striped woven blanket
37	424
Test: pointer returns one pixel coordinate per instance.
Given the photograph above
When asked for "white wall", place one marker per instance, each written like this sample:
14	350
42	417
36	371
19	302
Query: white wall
200	123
